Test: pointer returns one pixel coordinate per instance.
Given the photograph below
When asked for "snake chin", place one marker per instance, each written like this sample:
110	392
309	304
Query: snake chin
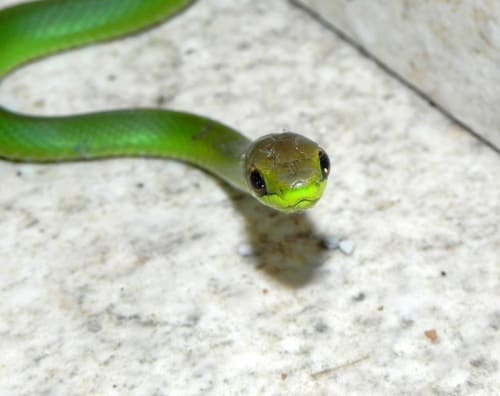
276	202
303	204
299	206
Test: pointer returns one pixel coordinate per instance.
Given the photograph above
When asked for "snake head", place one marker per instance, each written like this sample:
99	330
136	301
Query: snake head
286	171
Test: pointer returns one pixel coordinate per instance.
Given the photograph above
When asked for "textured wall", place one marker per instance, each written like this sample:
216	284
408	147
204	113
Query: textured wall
448	49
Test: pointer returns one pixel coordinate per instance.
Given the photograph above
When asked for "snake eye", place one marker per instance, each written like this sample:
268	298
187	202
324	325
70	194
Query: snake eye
257	182
324	163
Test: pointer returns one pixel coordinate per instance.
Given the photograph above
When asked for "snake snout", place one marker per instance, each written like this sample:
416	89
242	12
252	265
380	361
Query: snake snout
298	184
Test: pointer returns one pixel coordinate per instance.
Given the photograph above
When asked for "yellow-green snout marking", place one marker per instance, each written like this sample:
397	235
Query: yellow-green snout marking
297	199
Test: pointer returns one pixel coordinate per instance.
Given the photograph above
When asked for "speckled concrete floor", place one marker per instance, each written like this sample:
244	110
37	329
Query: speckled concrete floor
133	276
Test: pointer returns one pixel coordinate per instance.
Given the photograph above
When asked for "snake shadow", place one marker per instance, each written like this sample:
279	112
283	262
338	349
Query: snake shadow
285	247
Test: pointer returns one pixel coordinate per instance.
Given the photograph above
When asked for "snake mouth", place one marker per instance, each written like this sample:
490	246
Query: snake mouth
302	204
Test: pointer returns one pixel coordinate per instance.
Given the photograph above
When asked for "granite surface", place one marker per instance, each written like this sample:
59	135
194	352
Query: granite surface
449	49
148	277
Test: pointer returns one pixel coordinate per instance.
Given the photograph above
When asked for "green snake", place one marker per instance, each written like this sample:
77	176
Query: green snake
285	171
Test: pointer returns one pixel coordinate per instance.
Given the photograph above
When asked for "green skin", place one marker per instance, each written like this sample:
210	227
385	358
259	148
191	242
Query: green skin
285	171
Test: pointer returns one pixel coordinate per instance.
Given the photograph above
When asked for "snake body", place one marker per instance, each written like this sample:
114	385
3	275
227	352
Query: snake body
285	171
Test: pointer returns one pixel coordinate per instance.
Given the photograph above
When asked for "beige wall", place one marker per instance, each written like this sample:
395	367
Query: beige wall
449	49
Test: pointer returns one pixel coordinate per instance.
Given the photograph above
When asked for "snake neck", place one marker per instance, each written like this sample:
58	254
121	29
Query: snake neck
139	132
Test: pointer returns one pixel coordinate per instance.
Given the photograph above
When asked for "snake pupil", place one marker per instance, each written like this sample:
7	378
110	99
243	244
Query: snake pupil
257	182
324	163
